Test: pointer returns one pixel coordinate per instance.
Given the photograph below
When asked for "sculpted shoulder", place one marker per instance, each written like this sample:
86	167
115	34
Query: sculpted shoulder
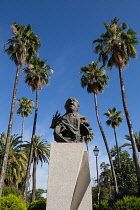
72	126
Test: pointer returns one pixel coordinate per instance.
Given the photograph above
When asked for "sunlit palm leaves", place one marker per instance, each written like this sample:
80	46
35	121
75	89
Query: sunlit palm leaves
116	46
41	149
89	137
94	78
25	107
22	45
137	139
114	116
36	74
17	160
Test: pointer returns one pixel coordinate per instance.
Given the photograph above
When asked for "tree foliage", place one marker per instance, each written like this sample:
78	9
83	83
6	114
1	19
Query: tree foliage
17	160
25	106
12	202
22	45
116	46
36	74
114	117
128	172
94	78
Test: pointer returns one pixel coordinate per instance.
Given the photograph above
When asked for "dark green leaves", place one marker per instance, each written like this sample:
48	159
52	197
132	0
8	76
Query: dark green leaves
93	78
23	45
36	74
116	46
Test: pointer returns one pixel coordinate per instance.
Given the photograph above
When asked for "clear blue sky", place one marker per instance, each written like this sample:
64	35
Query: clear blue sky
67	29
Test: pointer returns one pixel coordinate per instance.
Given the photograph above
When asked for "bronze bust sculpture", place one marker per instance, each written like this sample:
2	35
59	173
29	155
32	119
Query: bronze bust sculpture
71	127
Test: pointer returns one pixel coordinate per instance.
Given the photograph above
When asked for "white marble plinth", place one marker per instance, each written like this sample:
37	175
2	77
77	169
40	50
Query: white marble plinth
69	178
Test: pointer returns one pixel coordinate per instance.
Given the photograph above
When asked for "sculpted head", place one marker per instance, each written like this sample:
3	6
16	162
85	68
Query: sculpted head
72	105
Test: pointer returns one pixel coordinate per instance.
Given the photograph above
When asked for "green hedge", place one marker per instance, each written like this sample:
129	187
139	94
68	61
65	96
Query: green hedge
104	205
8	190
12	202
37	205
128	203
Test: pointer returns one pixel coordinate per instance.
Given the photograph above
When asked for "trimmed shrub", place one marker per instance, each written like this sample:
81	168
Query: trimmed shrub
8	190
12	202
128	203
37	205
104	205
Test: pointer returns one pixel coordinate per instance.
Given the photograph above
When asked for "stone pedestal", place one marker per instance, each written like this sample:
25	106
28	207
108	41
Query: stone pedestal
69	178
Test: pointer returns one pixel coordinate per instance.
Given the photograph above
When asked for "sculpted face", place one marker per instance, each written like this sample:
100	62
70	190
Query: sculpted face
71	105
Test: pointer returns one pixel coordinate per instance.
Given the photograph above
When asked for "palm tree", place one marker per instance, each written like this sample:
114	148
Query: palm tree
115	48
95	80
41	152
21	47
36	77
114	120
137	140
25	107
89	137
17	160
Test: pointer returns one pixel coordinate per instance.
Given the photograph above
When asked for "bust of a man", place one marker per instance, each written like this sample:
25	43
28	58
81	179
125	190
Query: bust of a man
71	127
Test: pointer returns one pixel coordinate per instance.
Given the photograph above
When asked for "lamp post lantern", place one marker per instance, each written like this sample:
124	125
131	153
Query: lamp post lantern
96	152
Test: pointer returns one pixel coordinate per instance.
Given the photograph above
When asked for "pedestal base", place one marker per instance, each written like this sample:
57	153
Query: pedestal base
69	178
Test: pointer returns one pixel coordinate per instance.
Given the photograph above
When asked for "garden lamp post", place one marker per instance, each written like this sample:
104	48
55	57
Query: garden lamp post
96	152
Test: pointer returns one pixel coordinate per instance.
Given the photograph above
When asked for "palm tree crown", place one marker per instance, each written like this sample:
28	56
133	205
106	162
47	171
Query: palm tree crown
137	139
89	137
36	75
41	149
17	160
22	45
25	106
114	117
93	78
116	46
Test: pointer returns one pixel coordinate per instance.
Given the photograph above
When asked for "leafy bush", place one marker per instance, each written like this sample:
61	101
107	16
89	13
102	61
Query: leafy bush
12	202
104	205
38	195
8	190
36	205
127	202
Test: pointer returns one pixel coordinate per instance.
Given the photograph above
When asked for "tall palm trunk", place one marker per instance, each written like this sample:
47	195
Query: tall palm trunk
22	130
130	128
117	147
106	145
9	131
34	179
31	150
118	157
